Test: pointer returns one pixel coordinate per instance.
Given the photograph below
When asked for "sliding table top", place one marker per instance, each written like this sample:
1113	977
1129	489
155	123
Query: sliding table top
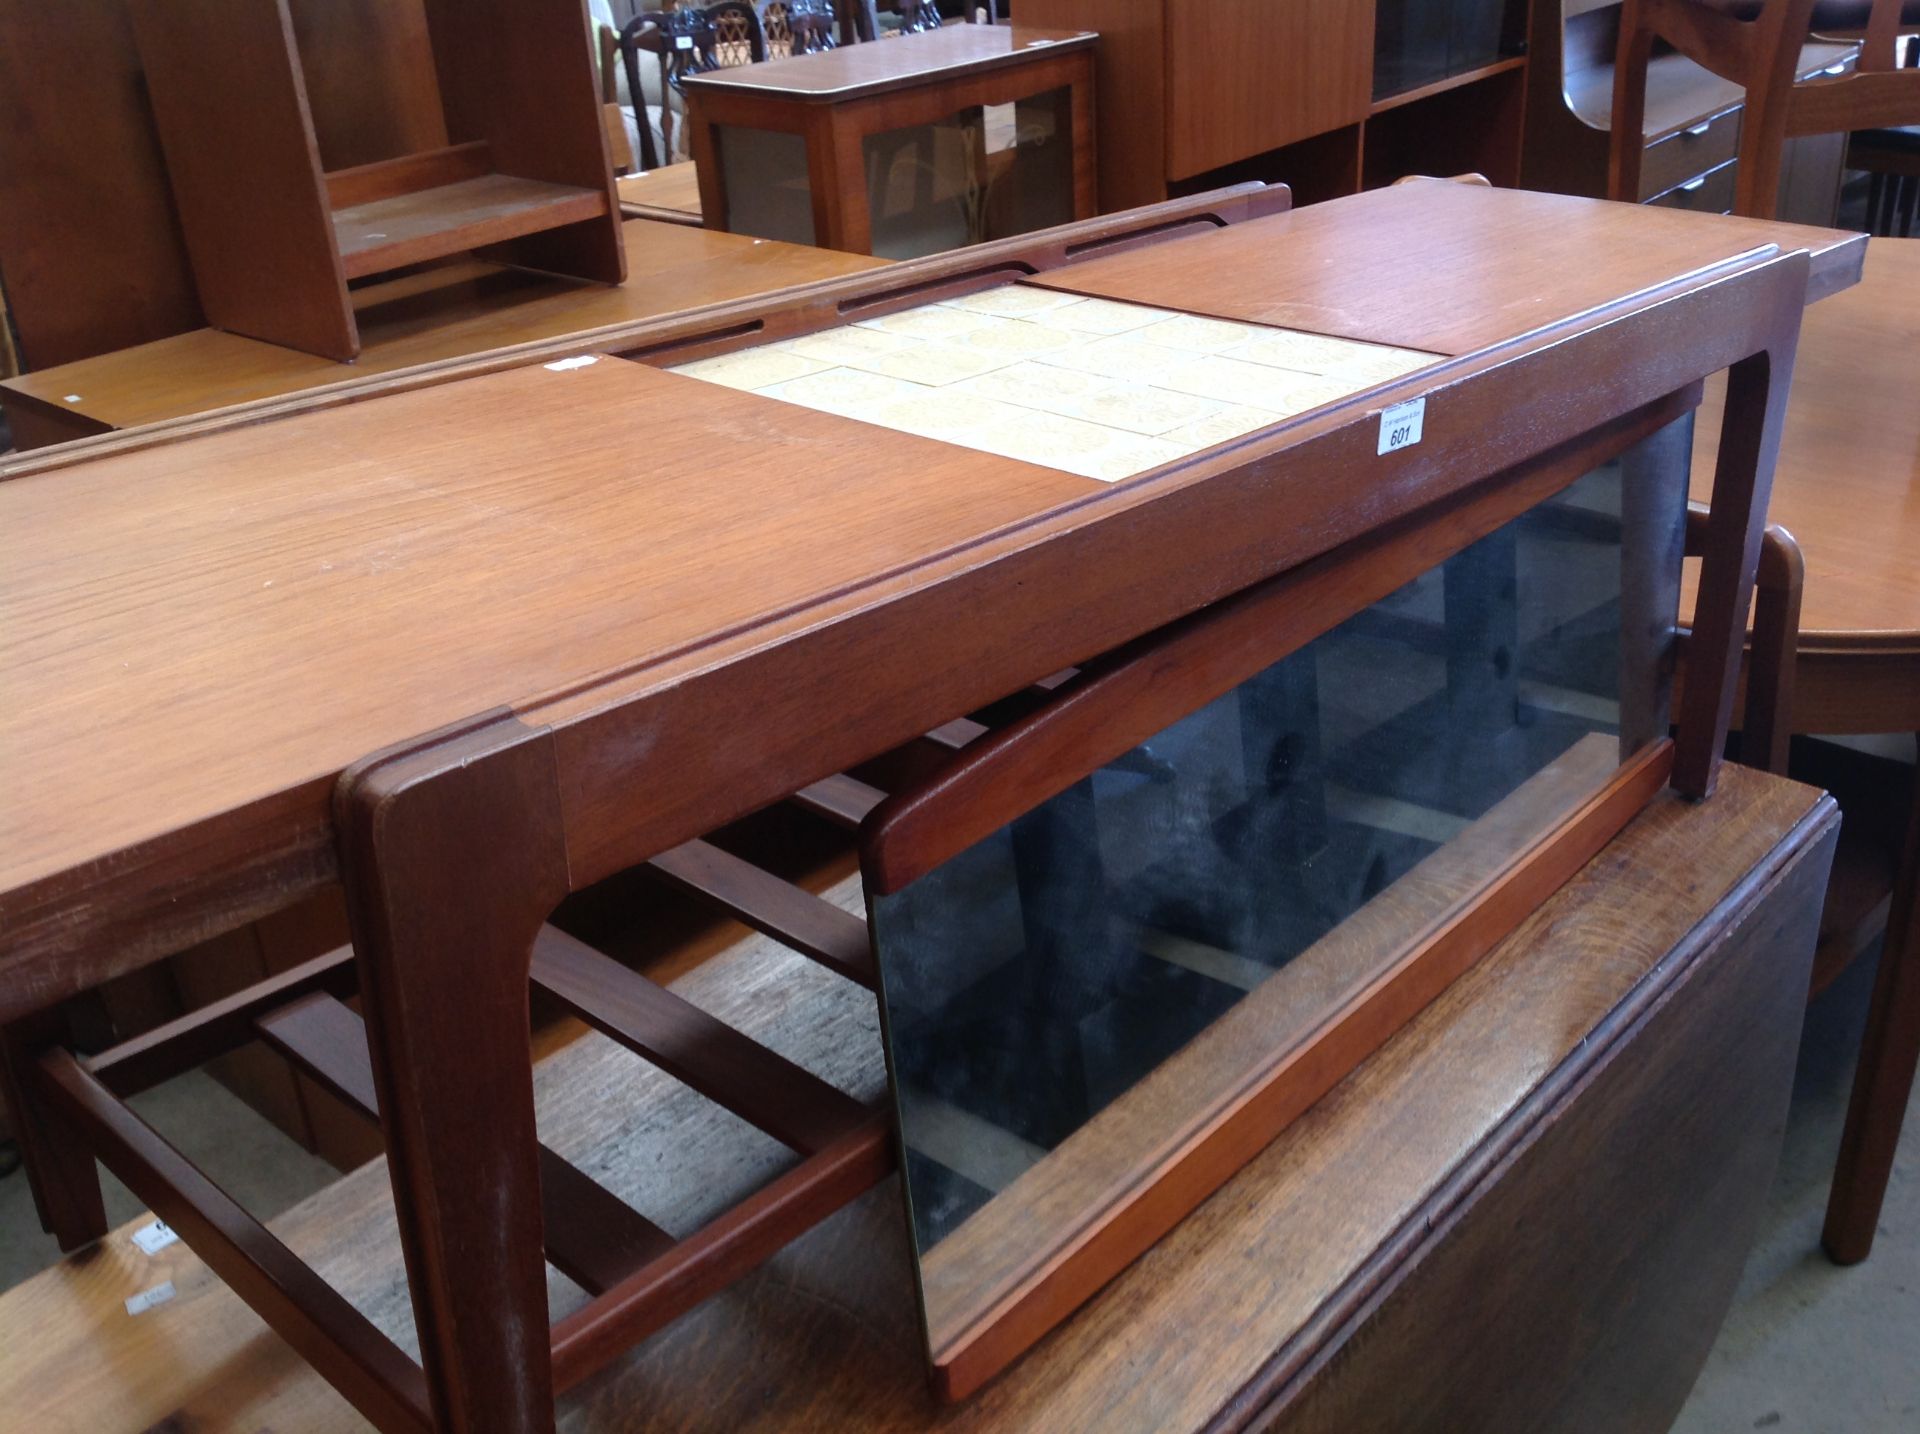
200	634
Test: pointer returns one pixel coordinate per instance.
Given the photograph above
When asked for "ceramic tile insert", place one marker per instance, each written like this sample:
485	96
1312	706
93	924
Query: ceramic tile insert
1096	387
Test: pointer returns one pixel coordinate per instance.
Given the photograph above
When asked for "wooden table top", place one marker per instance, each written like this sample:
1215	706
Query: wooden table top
671	193
853	71
826	1337
420	555
203	631
1848	481
444	314
1413	295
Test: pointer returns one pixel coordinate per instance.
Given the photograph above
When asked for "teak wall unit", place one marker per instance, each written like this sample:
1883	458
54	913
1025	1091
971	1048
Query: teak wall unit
513	164
1201	92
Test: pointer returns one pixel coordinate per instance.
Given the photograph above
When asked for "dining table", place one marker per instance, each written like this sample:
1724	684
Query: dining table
1847	487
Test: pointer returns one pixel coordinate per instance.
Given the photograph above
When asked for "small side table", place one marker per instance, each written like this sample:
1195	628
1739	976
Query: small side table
901	147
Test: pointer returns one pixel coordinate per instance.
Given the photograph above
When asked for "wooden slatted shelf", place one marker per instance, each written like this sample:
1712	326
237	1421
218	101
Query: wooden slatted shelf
453	218
639	1276
274	238
593	1238
836	939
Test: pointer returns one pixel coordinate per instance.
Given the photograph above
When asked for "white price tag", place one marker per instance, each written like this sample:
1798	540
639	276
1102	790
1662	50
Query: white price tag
683	42
154	1238
147	1299
1400	426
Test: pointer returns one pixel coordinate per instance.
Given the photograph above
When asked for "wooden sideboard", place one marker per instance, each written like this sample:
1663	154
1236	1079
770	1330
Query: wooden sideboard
1199	92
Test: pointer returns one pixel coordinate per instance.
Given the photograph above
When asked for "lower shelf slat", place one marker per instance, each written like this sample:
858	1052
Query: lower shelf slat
593	1237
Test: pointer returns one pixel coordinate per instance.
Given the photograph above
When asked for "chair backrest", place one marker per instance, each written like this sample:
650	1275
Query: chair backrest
642	34
917	15
797	27
1756	44
735	37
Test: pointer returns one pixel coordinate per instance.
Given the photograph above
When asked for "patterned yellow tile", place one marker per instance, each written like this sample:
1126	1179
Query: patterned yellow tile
1012	301
1233	380
1116	403
930	321
1125	357
935	364
1016	338
1344	358
836	346
1099	316
1198	335
751	368
845	390
1221	425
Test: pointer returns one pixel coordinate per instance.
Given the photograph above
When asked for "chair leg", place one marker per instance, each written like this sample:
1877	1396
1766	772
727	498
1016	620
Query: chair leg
1883	1082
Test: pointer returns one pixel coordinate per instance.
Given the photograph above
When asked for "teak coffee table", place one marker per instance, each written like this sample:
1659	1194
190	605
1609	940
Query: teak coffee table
810	147
538	637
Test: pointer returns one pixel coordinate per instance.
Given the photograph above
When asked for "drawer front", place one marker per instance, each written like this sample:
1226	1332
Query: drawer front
1689	154
1708	194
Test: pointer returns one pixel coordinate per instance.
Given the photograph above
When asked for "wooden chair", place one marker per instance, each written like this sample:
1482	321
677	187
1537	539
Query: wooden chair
1756	44
642	33
689	41
797	27
1891	157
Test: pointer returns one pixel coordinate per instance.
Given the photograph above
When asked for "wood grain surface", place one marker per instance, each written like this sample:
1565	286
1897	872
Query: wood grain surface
1348	268
101	263
1354	1194
671	193
1130	74
353	537
251	195
801	307
328	534
1248	76
447	314
854	71
1848	481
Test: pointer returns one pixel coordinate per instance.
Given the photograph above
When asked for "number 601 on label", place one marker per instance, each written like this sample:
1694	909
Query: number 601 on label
1400	425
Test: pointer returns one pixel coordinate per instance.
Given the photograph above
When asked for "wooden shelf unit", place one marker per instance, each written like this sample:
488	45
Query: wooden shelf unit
519	171
1199	93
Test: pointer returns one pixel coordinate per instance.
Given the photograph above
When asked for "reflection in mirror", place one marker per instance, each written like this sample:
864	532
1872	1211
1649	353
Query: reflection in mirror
1069	1000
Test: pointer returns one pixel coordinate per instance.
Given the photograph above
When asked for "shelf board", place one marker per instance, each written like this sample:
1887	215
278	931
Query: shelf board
450	218
1451	82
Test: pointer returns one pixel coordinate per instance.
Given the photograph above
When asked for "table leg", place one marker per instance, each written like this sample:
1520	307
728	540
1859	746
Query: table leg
837	175
452	857
1883	1083
60	1167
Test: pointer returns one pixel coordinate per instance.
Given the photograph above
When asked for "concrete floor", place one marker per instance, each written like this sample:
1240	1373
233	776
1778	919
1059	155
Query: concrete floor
1808	1349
